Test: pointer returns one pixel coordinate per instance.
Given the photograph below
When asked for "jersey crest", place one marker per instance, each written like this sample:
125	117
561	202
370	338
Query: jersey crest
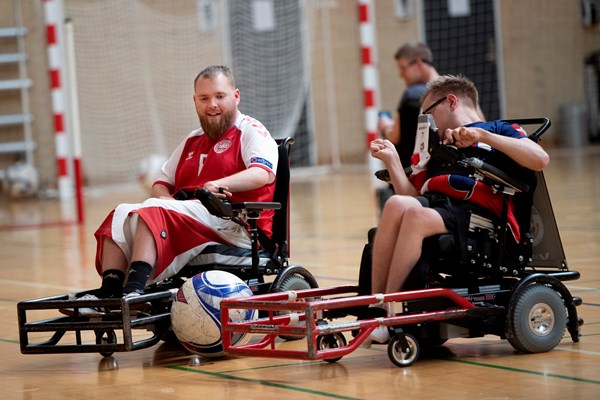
222	146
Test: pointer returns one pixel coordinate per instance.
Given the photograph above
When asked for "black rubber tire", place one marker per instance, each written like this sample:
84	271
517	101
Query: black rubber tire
293	282
398	356
331	341
537	321
106	337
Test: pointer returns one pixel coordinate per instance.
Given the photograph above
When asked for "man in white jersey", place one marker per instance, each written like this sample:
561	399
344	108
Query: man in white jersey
232	155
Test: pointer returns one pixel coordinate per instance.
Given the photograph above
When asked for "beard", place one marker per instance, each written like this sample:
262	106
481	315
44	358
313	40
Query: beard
216	127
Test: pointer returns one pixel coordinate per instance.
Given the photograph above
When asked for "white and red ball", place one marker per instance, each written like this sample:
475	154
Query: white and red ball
196	314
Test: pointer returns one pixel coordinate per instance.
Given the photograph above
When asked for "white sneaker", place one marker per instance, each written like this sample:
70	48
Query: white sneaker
85	311
380	335
136	307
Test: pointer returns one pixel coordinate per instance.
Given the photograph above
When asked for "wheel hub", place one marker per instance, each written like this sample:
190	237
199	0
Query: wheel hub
541	319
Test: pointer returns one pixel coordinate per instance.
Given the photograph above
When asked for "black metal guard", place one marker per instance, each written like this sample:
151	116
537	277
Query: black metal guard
123	318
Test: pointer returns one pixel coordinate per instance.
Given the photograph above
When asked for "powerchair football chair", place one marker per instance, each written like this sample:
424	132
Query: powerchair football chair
268	256
518	285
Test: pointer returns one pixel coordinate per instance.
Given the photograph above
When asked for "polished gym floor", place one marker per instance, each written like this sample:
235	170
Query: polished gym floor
331	214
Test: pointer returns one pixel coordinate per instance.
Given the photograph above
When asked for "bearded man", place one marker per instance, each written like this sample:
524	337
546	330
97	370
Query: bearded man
232	155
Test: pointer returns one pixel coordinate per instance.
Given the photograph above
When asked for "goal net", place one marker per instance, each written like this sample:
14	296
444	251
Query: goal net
462	38
136	61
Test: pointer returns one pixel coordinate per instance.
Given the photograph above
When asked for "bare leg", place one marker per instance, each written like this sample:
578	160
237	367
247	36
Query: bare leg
115	267
143	258
386	239
418	223
112	256
144	246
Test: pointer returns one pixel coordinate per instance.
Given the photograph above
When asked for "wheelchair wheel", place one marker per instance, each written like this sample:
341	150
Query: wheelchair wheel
331	341
403	357
106	337
293	282
537	321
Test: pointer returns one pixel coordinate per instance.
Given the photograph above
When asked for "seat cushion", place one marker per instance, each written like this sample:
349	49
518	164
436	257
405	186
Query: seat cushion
220	254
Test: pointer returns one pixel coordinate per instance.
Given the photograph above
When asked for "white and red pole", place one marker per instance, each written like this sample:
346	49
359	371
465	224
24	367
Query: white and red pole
368	48
75	123
54	18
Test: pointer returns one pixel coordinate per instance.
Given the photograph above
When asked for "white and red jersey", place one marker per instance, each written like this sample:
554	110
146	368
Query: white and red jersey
182	229
200	159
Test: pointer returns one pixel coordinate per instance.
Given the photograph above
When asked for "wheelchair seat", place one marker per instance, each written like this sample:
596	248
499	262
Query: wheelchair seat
489	249
221	255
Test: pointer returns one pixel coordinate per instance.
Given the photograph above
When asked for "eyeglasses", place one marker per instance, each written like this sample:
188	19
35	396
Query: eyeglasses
431	107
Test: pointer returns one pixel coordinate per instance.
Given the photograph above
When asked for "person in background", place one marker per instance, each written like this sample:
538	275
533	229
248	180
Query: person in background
415	67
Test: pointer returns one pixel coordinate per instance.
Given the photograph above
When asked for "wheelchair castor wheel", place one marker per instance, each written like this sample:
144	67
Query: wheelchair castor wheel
403	349
331	341
106	337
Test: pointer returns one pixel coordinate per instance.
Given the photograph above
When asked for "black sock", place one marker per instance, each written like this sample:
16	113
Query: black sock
138	276
112	283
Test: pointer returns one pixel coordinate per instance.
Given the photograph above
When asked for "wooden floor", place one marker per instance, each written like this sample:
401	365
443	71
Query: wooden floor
331	214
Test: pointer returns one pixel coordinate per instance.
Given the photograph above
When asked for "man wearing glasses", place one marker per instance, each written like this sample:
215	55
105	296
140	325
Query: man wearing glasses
415	66
410	216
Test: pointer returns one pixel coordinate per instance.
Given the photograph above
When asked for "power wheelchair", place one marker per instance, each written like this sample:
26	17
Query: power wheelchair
113	332
518	286
468	284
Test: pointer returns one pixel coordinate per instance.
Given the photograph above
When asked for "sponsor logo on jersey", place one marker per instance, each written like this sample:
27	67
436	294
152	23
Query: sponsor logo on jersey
519	129
190	155
261	161
222	146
